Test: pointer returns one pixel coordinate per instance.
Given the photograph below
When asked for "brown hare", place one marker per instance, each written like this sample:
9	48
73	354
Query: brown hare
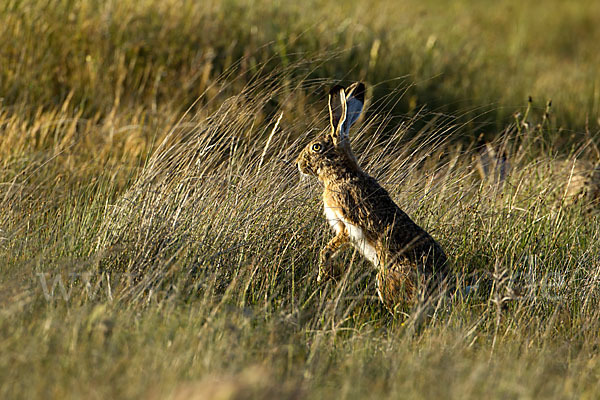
362	213
582	183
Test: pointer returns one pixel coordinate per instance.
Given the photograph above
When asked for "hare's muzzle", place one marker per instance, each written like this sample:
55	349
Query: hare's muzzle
303	166
301	163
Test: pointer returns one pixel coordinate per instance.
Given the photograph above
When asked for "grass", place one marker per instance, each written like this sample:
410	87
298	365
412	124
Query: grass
157	241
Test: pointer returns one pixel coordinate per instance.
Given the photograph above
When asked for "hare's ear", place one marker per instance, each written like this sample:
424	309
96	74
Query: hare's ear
355	98
345	107
337	112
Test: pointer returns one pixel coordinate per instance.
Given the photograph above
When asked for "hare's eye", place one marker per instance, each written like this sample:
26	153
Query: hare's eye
317	147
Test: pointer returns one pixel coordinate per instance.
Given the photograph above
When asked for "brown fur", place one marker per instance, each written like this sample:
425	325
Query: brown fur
582	182
407	256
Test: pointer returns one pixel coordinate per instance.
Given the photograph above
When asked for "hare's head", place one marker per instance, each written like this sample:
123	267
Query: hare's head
330	154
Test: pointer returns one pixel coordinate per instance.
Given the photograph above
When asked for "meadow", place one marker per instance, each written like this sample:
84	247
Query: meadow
157	241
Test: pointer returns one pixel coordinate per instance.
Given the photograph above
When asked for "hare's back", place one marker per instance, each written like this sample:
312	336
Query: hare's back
412	241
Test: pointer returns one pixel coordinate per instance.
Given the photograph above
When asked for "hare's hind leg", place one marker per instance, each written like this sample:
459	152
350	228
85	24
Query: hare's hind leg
325	268
395	286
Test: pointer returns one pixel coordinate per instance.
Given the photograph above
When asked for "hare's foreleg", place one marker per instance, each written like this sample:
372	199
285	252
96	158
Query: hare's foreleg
328	251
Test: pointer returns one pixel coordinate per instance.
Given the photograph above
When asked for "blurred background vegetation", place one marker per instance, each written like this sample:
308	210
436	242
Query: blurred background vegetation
475	59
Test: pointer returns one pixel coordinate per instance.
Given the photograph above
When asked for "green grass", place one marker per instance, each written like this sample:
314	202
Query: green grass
145	170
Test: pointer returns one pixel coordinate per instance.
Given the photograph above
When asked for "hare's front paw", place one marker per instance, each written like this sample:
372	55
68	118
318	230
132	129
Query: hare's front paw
324	274
325	268
326	254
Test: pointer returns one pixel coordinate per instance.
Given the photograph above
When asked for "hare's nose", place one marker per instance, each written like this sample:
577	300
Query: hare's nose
302	166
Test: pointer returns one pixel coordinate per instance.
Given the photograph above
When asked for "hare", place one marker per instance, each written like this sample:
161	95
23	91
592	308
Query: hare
362	213
582	182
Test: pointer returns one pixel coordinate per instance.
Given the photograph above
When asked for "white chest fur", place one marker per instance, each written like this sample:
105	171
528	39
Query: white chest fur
357	237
